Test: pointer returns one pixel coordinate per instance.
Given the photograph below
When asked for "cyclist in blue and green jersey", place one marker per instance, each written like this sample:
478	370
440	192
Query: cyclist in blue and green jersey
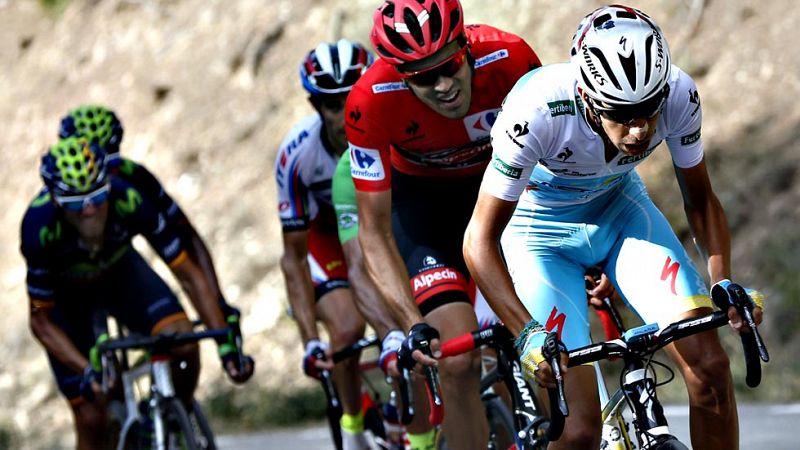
76	237
561	195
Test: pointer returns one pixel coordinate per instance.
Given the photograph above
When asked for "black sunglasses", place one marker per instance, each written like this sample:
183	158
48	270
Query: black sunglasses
448	68
627	114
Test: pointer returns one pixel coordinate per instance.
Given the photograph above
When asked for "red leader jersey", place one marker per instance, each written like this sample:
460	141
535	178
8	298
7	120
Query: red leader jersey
387	126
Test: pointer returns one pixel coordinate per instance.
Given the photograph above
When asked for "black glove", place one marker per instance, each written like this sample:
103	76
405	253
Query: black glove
419	338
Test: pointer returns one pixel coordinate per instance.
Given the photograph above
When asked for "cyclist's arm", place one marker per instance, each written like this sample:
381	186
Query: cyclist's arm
368	300
198	288
198	252
706	219
297	274
53	338
382	258
485	263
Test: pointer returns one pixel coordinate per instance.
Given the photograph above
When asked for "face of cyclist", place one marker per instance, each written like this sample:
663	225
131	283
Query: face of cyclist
446	87
331	108
87	213
629	129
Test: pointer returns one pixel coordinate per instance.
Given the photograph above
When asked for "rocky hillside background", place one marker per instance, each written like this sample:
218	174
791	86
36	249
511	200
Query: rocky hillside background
207	88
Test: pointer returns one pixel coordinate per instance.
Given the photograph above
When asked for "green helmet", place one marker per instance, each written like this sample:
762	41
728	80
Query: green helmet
95	123
74	166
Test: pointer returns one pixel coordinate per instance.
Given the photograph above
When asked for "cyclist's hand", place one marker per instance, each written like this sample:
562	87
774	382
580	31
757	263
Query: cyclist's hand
239	367
736	321
534	364
598	288
389	346
420	336
318	357
90	384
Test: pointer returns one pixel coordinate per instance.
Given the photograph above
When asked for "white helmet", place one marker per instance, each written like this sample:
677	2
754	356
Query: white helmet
333	68
620	55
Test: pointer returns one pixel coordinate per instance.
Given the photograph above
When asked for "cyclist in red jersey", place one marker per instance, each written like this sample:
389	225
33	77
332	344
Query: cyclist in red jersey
418	125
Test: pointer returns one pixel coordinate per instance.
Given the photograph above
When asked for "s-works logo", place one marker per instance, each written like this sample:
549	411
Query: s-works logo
365	164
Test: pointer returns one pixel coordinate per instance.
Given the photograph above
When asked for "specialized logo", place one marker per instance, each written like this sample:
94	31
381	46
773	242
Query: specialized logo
561	108
491	57
607	25
506	169
365	164
434	278
690	138
429	261
694	97
670	271
130	203
382	88
479	125
412	128
598	77
556	321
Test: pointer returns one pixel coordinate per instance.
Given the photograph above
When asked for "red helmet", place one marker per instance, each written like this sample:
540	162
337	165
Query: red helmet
410	30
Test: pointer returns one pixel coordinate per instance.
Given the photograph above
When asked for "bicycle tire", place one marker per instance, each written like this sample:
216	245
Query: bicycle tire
501	423
205	435
671	443
178	425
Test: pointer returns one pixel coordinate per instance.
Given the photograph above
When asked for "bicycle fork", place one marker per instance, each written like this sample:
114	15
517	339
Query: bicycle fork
161	388
640	391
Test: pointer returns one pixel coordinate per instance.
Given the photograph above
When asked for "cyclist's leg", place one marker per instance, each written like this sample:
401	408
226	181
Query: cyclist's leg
145	304
551	287
654	273
429	217
90	418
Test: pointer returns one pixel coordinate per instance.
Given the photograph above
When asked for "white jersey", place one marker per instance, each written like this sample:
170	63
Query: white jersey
304	169
543	145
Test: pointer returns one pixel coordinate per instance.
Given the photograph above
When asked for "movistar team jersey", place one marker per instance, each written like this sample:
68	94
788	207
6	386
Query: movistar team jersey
303	170
388	126
148	185
56	255
544	146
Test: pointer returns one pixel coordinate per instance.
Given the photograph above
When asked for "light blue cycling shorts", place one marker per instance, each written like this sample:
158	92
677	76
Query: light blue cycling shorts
548	249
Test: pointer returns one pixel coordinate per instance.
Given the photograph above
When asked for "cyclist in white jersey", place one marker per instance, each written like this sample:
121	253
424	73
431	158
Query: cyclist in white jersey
314	263
562	180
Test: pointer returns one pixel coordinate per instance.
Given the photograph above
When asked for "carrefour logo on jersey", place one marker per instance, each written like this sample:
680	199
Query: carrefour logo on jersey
365	164
479	125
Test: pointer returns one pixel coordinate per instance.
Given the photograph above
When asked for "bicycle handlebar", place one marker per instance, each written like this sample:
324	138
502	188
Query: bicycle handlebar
160	343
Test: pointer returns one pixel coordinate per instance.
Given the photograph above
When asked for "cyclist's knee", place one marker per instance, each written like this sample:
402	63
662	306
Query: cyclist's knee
90	418
461	368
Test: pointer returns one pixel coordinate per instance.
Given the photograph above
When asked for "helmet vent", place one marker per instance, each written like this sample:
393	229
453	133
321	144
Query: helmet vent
455	19
397	41
629	66
602	59
600	20
626	15
413	26
435	23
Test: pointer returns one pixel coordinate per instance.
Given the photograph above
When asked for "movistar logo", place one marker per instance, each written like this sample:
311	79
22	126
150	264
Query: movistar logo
130	203
47	235
127	167
41	200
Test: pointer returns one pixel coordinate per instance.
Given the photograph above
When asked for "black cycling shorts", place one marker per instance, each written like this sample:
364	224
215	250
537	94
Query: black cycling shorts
429	217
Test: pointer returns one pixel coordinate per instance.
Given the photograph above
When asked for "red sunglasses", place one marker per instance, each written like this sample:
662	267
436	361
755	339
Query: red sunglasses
448	68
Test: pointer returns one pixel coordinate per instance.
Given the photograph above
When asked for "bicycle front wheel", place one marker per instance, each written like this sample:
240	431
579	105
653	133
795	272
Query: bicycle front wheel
203	433
501	423
180	434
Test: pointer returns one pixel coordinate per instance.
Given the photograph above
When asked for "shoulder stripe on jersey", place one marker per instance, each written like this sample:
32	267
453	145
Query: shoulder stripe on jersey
296	192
